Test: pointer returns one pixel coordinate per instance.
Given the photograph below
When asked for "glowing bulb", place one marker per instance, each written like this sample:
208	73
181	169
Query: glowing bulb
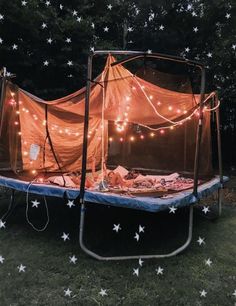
126	114
121	139
25	153
127	107
110	139
20	102
17	112
152	134
172	127
133	87
178	111
158	103
12	94
16	122
66	130
44	122
125	123
132	138
60	131
151	97
141	136
76	134
19	133
127	98
162	132
170	108
33	171
185	112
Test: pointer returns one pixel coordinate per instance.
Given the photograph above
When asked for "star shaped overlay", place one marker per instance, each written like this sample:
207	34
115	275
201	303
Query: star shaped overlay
35	203
140	262
208	262
21	268
141	229
206	209
203	293
67	292
70	203
136	272
116	227
159	270
103	292
73	259
201	241
1	259
2	224
136	236
172	210
65	236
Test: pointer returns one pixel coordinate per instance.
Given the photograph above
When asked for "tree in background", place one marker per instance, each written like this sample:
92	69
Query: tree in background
46	42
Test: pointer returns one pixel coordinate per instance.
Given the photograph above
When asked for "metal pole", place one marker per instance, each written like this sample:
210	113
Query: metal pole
220	191
3	94
199	132
86	126
99	257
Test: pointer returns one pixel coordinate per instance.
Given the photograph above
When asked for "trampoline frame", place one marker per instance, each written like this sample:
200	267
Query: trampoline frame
81	200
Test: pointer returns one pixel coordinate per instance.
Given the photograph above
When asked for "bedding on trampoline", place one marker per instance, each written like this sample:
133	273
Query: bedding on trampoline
147	202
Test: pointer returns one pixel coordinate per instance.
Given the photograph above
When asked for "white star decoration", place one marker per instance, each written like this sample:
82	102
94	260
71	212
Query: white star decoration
141	229
65	237
140	262
130	29
1	40
67	292
47	3
1	259
234	46
159	270
195	29
106	29
103	292
74	13
1	17
49	40
61	6
228	15
109	6
208	262
35	203
234	293
149	51
136	272
206	209
23	3
92	49
45	63
70	203
44	25
172	210
209	54
21	268
70	63
187	49
73	259
68	40
161	27
201	241
116	228
79	19
93	25
203	293
2	224
136	236
14	47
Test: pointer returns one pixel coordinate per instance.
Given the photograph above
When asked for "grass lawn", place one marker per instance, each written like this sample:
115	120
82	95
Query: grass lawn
49	271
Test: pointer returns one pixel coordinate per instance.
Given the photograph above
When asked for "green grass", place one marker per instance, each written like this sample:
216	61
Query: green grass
48	271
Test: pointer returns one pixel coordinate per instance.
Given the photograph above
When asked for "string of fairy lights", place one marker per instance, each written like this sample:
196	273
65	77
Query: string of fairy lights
122	124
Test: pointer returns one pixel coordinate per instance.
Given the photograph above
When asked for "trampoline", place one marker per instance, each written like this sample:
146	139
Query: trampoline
56	156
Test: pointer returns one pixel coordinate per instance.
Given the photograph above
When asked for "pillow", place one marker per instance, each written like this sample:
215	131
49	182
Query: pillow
121	170
58	180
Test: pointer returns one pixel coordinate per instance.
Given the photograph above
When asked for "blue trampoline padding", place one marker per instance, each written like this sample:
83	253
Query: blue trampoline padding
151	204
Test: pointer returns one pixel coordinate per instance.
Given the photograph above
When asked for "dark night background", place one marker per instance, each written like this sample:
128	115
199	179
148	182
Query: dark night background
198	29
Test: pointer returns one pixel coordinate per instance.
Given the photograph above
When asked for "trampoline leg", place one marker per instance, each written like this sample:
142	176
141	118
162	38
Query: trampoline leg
99	257
10	206
220	201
